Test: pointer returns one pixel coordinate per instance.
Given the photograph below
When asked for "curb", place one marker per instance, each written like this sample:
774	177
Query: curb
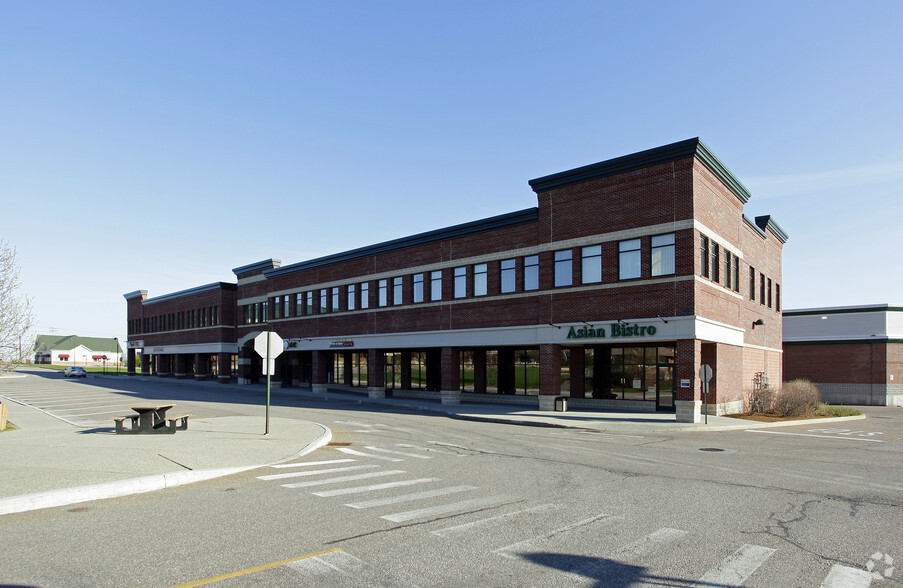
67	496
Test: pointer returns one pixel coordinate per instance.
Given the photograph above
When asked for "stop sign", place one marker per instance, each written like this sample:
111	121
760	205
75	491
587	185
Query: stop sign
260	344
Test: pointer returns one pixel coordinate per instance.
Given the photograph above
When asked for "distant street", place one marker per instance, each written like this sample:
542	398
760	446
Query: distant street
406	499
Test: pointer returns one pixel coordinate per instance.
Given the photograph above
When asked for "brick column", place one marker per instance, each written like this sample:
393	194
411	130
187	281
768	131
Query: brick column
348	359
506	371
181	368
479	371
376	373
224	368
201	366
146	361
451	375
130	362
244	365
164	365
688	401
549	375
319	378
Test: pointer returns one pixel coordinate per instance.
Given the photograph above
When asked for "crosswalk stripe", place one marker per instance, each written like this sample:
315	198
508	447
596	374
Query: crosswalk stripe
507	550
736	568
314	472
611	566
474	504
362	454
311	463
410	497
409	446
417	455
371	487
846	577
473	524
344	479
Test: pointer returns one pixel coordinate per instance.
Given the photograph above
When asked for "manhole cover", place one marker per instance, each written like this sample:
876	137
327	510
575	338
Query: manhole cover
710	449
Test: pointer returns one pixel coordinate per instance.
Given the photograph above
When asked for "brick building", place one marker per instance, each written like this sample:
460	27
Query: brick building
853	354
626	277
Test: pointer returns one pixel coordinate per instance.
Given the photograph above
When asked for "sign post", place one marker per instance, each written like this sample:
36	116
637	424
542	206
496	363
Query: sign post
705	374
268	345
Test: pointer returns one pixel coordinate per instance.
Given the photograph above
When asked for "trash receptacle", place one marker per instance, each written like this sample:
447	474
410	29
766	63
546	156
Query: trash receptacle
561	404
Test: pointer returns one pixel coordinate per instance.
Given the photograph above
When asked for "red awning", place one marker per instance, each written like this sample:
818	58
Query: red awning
98	357
62	356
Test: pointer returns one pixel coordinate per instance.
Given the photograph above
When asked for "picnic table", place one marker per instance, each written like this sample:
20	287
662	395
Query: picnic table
152	419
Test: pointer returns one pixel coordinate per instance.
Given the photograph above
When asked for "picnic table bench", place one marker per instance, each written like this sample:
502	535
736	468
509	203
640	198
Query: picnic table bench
151	419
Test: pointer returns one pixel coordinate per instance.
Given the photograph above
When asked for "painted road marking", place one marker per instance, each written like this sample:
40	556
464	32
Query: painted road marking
474	524
314	472
411	497
736	568
247	571
311	463
371	487
344	479
370	455
604	568
418	456
809	435
475	504
507	550
845	577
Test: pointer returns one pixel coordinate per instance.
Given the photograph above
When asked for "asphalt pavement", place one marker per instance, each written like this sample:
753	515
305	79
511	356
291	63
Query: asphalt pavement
47	462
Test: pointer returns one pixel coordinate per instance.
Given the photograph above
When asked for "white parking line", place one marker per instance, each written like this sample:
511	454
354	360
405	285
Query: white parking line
844	577
344	479
810	435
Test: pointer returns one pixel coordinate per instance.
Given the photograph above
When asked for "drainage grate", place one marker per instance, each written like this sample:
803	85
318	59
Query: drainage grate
710	449
338	444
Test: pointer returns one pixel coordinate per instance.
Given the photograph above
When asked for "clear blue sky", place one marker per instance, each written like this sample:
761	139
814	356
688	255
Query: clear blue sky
157	145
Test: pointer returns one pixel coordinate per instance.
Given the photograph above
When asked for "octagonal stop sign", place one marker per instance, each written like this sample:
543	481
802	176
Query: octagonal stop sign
260	346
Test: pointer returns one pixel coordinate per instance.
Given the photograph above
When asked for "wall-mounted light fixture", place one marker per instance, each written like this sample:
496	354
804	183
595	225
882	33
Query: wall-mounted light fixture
663	320
758	322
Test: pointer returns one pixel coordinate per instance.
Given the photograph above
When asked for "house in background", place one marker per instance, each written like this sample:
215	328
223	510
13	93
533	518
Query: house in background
854	354
75	350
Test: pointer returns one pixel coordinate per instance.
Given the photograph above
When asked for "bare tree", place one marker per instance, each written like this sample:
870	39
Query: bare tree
16	315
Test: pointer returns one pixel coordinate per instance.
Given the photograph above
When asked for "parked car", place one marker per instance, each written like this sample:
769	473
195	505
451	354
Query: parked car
75	371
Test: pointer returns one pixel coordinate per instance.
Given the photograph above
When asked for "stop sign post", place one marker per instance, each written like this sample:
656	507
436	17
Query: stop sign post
268	346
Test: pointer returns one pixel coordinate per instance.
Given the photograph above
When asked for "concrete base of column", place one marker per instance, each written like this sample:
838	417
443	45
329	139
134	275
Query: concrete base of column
688	411
450	396
319	388
244	382
377	392
180	376
200	377
223	379
547	402
131	373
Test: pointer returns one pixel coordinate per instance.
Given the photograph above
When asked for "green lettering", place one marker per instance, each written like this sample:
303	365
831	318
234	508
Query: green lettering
652	330
572	334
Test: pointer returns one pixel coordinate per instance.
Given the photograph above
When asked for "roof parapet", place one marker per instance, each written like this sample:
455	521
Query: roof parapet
258	266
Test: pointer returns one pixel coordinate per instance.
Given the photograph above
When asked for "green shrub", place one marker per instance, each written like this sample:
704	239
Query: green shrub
796	398
836	411
759	400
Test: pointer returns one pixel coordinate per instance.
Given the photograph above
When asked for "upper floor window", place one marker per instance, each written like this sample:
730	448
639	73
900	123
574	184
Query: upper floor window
479	279
531	272
777	297
507	273
716	262
736	273
769	292
310	303
285	306
704	256
350	297
365	295
460	282
324	301
629	259
752	283
335	299
727	268
761	288
383	292
418	288
278	306
591	268
436	285
564	272
663	255
397	291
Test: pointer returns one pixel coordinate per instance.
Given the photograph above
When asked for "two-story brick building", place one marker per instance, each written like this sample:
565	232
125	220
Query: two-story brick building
626	278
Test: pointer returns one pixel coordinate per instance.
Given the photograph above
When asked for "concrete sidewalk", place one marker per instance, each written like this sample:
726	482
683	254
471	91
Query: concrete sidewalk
47	462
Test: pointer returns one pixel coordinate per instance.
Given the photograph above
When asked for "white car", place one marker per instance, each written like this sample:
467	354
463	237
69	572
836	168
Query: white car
75	372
